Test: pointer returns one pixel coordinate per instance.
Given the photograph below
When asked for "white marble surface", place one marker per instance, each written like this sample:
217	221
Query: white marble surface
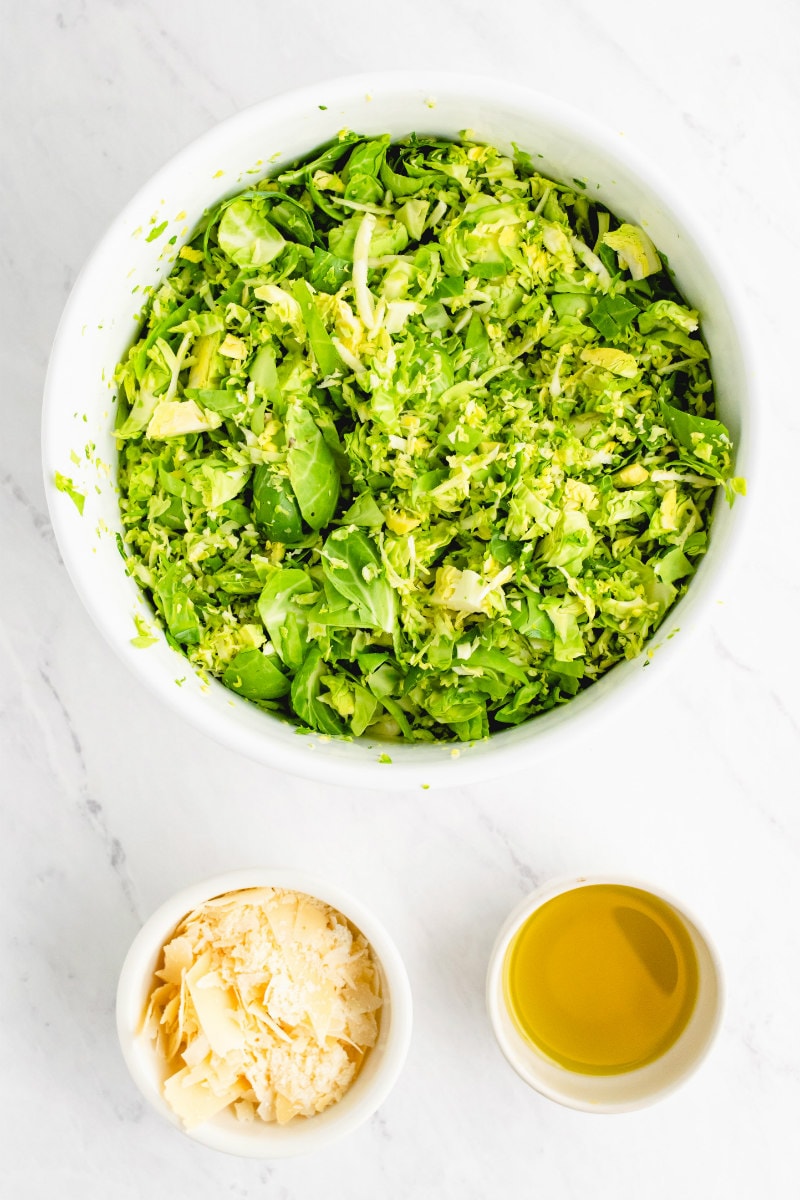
110	803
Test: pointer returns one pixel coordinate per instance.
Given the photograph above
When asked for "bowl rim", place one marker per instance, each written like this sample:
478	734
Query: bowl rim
495	1003
545	734
277	1141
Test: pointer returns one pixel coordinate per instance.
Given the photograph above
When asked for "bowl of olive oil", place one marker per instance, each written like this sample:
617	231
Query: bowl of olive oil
603	994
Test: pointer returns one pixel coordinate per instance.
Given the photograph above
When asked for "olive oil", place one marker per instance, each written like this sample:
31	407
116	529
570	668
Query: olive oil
602	978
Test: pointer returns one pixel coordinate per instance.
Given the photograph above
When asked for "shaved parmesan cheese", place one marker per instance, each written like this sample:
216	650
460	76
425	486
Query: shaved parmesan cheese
216	1013
267	1002
194	1103
178	958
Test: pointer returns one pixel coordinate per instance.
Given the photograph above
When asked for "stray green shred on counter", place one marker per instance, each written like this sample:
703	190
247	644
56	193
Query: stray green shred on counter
415	442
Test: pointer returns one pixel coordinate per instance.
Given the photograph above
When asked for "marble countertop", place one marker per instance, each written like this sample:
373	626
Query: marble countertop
111	803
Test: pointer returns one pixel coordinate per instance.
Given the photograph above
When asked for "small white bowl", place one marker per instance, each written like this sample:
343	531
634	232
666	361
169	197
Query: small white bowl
102	318
257	1139
606	1093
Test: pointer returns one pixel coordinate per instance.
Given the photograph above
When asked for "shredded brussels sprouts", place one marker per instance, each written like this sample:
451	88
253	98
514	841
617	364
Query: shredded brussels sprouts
415	442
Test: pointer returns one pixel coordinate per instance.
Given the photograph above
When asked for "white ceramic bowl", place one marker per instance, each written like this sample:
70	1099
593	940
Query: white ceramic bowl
606	1093
257	1139
100	321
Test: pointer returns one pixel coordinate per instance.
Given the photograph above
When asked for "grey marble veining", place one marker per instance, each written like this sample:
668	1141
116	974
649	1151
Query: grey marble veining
111	803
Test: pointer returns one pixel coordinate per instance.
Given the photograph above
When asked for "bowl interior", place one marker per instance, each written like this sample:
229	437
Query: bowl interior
102	317
258	1139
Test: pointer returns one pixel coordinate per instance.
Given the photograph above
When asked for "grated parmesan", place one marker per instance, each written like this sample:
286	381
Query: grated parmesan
266	1003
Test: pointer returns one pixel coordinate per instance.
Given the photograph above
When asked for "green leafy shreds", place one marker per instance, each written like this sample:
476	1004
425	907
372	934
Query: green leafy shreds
415	442
144	636
65	485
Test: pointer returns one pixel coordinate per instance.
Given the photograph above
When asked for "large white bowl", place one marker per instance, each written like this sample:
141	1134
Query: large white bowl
101	319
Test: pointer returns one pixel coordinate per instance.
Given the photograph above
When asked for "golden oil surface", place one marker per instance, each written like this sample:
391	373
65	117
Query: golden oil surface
602	978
